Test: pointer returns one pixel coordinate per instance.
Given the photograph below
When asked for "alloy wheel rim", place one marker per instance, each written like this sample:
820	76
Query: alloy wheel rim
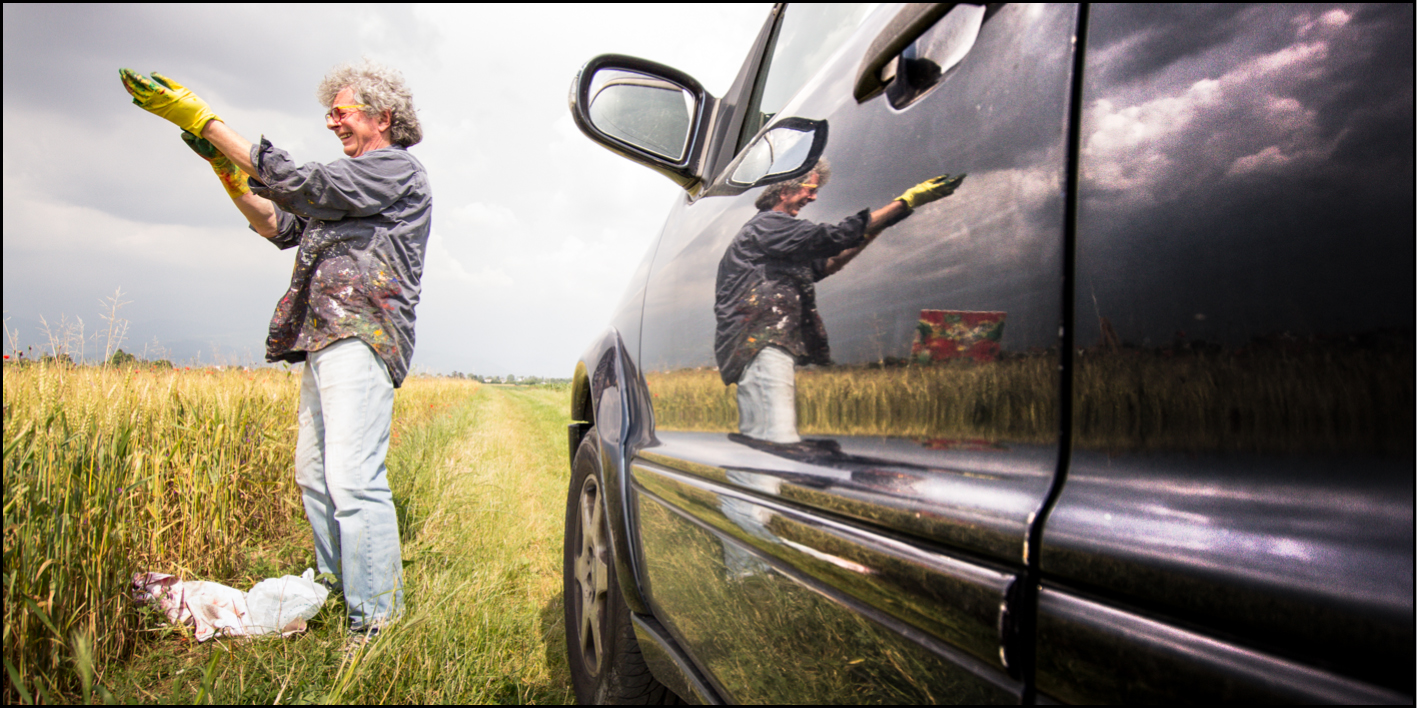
591	575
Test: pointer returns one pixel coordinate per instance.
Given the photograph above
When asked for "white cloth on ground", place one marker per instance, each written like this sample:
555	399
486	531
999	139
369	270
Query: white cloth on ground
276	605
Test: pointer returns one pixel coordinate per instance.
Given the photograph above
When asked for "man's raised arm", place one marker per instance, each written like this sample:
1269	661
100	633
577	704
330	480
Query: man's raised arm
228	153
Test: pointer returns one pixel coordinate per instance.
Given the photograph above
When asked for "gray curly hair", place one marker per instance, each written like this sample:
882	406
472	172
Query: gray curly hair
773	194
380	89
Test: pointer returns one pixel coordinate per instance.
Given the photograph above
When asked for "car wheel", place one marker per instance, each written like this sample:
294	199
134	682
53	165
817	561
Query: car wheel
604	658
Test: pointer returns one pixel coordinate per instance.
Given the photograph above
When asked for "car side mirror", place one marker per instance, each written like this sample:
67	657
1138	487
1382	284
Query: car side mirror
788	149
647	112
643	111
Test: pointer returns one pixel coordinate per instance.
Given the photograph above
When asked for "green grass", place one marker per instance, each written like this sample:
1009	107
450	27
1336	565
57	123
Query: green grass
479	478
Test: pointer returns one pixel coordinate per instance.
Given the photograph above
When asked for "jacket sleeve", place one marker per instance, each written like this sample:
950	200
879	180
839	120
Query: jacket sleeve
289	229
346	188
802	240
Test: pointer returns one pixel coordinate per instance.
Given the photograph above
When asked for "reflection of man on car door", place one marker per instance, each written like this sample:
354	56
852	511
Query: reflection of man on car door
765	299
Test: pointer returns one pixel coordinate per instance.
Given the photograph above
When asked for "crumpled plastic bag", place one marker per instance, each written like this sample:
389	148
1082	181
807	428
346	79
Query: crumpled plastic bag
276	605
284	604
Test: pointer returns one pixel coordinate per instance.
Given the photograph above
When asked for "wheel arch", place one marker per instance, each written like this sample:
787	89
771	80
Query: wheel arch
609	394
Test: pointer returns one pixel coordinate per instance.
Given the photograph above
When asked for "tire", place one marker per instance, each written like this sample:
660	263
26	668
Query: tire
604	658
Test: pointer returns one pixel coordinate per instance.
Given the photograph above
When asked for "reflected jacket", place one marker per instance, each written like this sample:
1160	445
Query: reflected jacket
766	290
362	228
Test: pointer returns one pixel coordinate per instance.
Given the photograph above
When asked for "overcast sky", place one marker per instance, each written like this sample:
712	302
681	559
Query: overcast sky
535	229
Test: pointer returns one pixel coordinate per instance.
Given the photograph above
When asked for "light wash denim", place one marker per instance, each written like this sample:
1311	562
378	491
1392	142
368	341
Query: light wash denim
767	397
346	410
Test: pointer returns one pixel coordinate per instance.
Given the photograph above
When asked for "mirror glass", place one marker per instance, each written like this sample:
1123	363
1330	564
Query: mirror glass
648	112
778	151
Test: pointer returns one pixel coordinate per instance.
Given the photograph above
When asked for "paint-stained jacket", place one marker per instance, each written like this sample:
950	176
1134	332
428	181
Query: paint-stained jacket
766	291
362	226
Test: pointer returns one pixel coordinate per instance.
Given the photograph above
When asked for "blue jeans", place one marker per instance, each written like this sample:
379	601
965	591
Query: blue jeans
767	397
346	410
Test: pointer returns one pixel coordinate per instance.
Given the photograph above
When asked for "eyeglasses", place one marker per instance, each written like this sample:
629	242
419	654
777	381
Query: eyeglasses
337	114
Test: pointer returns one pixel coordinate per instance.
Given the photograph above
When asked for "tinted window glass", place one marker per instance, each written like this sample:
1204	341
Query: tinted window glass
807	36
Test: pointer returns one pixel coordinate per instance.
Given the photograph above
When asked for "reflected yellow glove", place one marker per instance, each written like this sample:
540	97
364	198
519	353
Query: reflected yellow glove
233	178
164	97
930	190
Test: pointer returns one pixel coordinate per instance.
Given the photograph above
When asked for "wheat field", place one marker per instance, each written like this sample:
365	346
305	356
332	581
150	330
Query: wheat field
113	470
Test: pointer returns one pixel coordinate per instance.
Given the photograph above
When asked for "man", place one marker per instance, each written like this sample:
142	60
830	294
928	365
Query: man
362	227
766	299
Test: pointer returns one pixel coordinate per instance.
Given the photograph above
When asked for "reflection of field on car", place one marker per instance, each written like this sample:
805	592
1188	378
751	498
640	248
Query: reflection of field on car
112	470
778	618
1178	398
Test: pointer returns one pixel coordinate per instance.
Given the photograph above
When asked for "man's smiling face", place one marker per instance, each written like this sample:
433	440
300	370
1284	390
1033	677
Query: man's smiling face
792	201
357	132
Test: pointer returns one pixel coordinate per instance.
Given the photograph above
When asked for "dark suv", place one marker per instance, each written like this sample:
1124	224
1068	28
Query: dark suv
1001	353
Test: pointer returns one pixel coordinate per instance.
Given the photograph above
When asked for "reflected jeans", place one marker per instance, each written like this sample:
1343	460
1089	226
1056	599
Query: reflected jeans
767	397
752	519
346	410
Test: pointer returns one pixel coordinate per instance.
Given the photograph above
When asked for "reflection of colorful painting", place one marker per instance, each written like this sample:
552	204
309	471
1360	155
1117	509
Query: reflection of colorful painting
952	334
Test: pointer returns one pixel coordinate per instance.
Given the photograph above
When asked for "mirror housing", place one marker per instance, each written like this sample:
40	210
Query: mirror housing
646	112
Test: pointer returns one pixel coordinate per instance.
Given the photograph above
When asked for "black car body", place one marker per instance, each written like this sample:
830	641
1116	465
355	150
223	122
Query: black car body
1128	417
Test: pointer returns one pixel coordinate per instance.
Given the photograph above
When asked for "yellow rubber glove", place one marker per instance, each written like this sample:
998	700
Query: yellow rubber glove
930	190
164	97
231	176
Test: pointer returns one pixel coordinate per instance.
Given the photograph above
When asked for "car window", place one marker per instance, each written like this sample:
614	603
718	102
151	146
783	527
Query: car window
807	36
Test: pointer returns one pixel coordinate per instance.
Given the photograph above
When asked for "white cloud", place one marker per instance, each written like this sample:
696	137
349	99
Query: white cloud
1244	122
532	221
1267	159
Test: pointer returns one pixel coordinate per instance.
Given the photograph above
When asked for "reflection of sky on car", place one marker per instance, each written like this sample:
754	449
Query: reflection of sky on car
1199	520
1251	115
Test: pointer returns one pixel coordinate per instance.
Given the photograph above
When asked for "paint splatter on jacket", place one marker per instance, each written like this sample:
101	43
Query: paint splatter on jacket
766	292
362	229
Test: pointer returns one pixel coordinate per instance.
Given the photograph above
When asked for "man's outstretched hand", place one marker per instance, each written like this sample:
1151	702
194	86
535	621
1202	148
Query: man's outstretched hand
231	176
164	97
930	190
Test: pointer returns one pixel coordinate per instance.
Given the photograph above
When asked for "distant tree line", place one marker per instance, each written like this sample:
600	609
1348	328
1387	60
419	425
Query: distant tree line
512	380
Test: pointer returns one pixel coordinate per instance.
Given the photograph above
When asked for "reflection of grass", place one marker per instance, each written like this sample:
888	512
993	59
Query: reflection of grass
1008	400
768	639
693	399
1268	401
1321	398
900	587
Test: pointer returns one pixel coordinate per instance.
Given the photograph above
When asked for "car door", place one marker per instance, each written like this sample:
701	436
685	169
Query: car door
875	560
1237	521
